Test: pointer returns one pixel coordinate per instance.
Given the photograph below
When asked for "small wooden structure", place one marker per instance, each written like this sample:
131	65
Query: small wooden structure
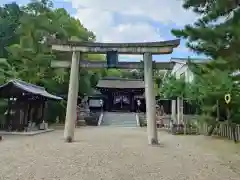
26	104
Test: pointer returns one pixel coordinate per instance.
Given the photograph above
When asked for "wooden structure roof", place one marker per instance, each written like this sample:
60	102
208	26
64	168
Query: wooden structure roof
118	83
16	88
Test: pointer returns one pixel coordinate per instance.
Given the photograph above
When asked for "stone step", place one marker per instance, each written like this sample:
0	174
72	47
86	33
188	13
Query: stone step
119	119
119	125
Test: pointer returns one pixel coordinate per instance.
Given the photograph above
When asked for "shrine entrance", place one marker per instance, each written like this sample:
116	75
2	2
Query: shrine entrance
121	102
121	93
147	49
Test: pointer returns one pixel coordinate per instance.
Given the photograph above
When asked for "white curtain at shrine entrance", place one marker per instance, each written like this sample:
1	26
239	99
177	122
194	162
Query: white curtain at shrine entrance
121	98
121	101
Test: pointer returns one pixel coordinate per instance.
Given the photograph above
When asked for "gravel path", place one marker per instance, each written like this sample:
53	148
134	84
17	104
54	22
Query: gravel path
113	153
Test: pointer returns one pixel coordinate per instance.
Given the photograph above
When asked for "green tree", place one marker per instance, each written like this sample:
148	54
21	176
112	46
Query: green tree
9	21
172	87
28	57
215	34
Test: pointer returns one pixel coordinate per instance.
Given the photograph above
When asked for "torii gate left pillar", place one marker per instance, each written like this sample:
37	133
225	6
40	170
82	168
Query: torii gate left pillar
150	99
146	48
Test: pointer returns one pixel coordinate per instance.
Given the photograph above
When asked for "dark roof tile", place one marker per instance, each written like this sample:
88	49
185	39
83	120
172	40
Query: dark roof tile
7	89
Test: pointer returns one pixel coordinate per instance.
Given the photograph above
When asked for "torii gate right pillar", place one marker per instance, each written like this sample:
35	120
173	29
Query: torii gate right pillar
150	99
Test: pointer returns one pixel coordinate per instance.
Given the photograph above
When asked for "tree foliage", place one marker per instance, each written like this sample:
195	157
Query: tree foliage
215	34
172	87
24	53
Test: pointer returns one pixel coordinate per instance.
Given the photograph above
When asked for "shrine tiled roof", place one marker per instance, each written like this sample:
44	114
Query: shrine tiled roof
18	88
119	83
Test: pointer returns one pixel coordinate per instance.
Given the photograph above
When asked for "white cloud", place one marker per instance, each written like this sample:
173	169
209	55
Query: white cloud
102	23
99	16
184	49
164	11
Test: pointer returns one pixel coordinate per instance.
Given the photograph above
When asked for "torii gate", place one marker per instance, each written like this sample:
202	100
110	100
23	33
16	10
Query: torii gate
147	49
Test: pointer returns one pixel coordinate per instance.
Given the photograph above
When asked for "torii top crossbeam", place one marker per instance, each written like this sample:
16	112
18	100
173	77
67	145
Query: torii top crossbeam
160	47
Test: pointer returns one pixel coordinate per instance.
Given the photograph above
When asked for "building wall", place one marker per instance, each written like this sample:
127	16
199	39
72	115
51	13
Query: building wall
181	69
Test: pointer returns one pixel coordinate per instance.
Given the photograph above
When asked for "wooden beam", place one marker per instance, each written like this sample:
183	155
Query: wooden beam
120	65
161	47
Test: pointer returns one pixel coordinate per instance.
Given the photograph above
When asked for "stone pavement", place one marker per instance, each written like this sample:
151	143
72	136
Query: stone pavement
116	153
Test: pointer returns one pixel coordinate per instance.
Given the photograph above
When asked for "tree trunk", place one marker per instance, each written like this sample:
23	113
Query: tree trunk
185	126
215	125
233	127
211	129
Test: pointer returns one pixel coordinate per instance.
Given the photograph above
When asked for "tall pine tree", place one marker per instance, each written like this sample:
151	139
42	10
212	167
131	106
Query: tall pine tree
216	34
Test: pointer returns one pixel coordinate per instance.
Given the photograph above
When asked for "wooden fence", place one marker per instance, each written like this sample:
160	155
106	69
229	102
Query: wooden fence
223	131
202	128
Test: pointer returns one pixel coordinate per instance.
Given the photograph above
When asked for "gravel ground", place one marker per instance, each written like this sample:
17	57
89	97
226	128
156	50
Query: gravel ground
115	153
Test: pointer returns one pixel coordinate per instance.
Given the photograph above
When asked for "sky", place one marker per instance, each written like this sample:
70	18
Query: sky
131	21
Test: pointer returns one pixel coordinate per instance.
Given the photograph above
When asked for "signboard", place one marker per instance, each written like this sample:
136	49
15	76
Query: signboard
95	103
112	59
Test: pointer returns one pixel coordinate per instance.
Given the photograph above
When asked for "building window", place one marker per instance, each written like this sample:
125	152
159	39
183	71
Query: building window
182	76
